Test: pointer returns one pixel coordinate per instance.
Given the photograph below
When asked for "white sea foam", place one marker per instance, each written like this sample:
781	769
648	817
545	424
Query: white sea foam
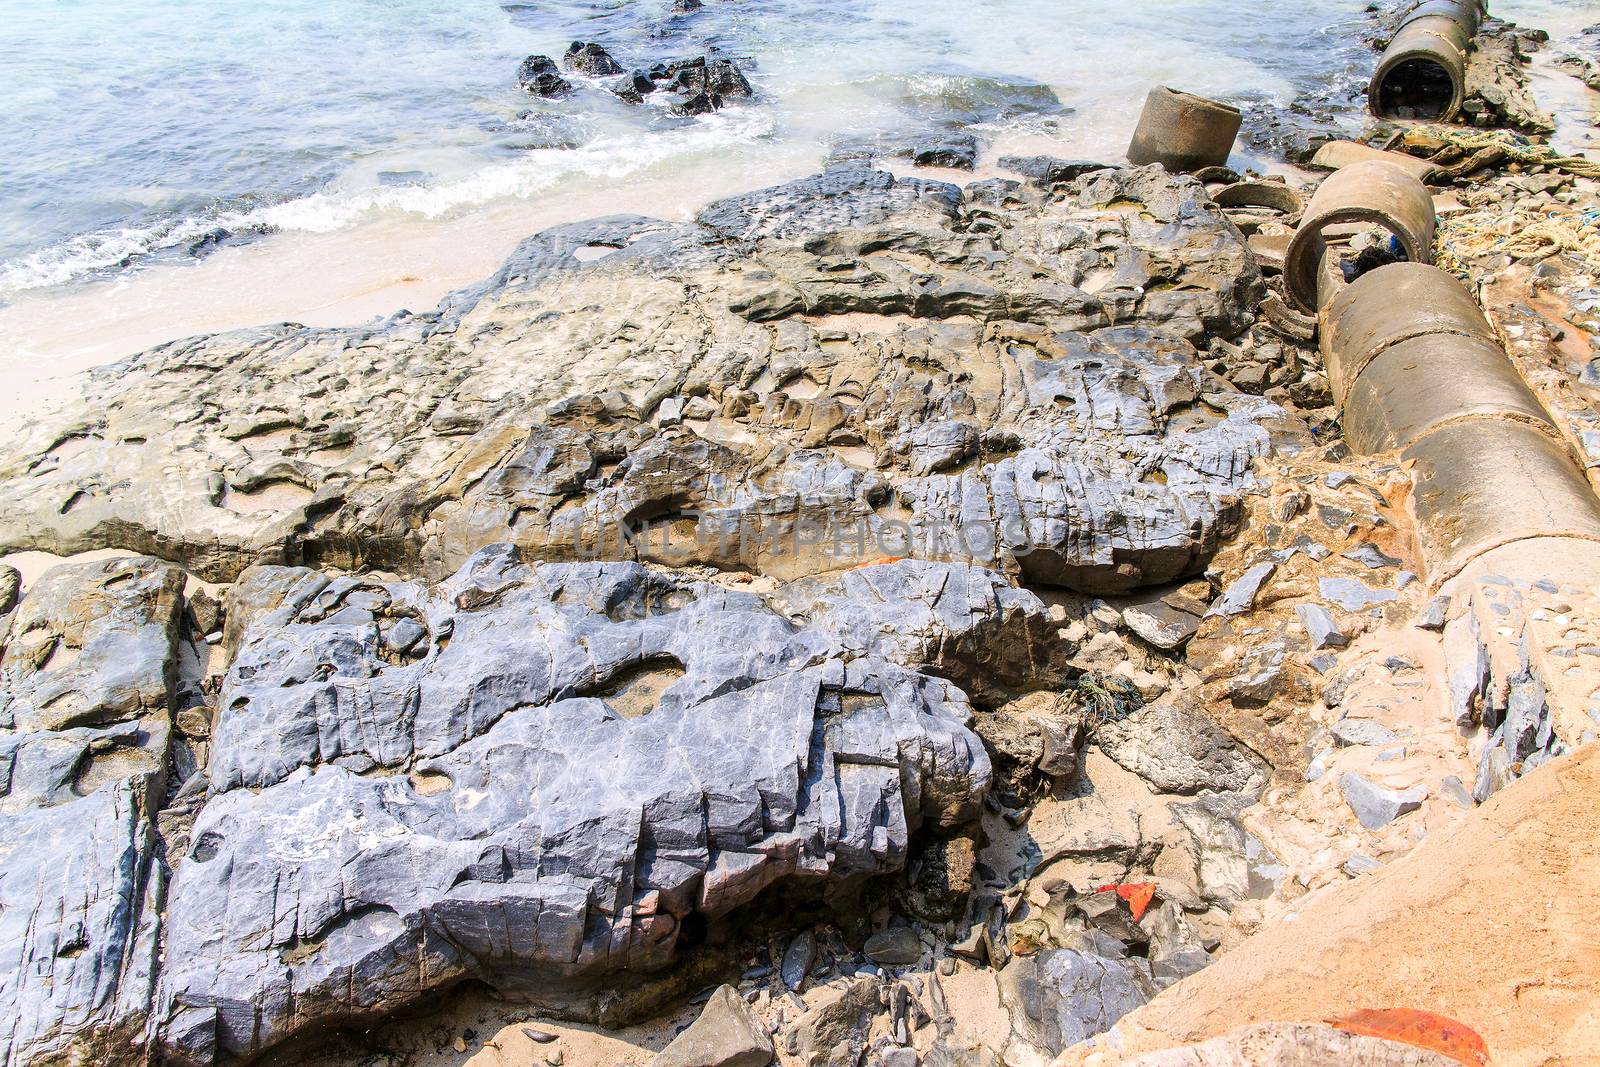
531	174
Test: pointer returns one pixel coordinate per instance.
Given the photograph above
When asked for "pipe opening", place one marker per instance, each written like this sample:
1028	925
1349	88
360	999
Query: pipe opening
1416	88
1369	250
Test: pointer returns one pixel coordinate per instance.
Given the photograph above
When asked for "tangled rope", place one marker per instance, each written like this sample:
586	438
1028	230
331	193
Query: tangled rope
1482	233
1456	153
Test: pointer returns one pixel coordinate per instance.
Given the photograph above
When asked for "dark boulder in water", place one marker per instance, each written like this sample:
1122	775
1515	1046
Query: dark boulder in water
633	86
720	77
539	76
704	83
684	7
701	103
959	150
726	79
589	58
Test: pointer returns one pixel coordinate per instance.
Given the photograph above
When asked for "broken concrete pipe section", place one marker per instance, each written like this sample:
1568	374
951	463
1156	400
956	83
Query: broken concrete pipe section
1367	194
1183	132
1423	73
1416	366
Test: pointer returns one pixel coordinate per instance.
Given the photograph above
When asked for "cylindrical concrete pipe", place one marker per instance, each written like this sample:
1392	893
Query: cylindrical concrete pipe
1387	306
1375	193
1416	366
1486	482
1423	73
1183	132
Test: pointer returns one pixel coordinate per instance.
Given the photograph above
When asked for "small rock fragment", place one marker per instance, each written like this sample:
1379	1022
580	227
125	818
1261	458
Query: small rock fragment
1350	732
1376	806
1240	596
896	947
1454	790
1321	628
797	960
1433	616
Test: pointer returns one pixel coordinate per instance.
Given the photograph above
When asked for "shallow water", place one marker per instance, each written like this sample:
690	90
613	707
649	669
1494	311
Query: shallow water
133	135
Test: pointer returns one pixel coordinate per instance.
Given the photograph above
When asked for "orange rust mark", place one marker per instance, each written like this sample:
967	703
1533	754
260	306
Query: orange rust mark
879	562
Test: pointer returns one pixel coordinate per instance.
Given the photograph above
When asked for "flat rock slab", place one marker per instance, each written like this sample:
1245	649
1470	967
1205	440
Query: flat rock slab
843	368
1353	595
678	748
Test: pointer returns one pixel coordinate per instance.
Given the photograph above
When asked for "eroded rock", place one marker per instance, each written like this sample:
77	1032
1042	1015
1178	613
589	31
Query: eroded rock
85	727
780	325
682	748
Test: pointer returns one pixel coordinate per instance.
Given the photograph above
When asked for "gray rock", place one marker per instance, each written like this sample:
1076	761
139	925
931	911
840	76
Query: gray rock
682	749
1370	556
941	445
591	59
961	622
539	75
897	946
834	1034
1262	677
1360	863
1060	997
10	587
1494	772
85	729
1435	615
1047	170
1240	596
1375	806
795	967
1167	622
1321	629
1455	791
1177	748
727	1034
1351	595
1348	732
1217	846
527	413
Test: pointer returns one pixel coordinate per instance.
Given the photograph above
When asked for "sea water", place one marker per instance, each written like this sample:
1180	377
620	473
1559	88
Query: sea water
171	126
169	167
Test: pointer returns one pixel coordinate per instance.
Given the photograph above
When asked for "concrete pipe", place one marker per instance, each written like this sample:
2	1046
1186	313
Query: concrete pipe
1274	195
1484	483
1415	387
1183	132
1389	305
1373	192
1423	73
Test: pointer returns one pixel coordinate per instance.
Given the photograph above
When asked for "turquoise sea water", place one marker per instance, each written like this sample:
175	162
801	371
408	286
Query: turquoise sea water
131	133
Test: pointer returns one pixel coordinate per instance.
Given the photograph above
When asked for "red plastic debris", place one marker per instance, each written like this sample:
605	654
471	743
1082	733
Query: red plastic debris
1137	894
1422	1029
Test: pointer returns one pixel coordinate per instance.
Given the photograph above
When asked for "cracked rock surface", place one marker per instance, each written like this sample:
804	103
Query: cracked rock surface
847	367
677	748
85	723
